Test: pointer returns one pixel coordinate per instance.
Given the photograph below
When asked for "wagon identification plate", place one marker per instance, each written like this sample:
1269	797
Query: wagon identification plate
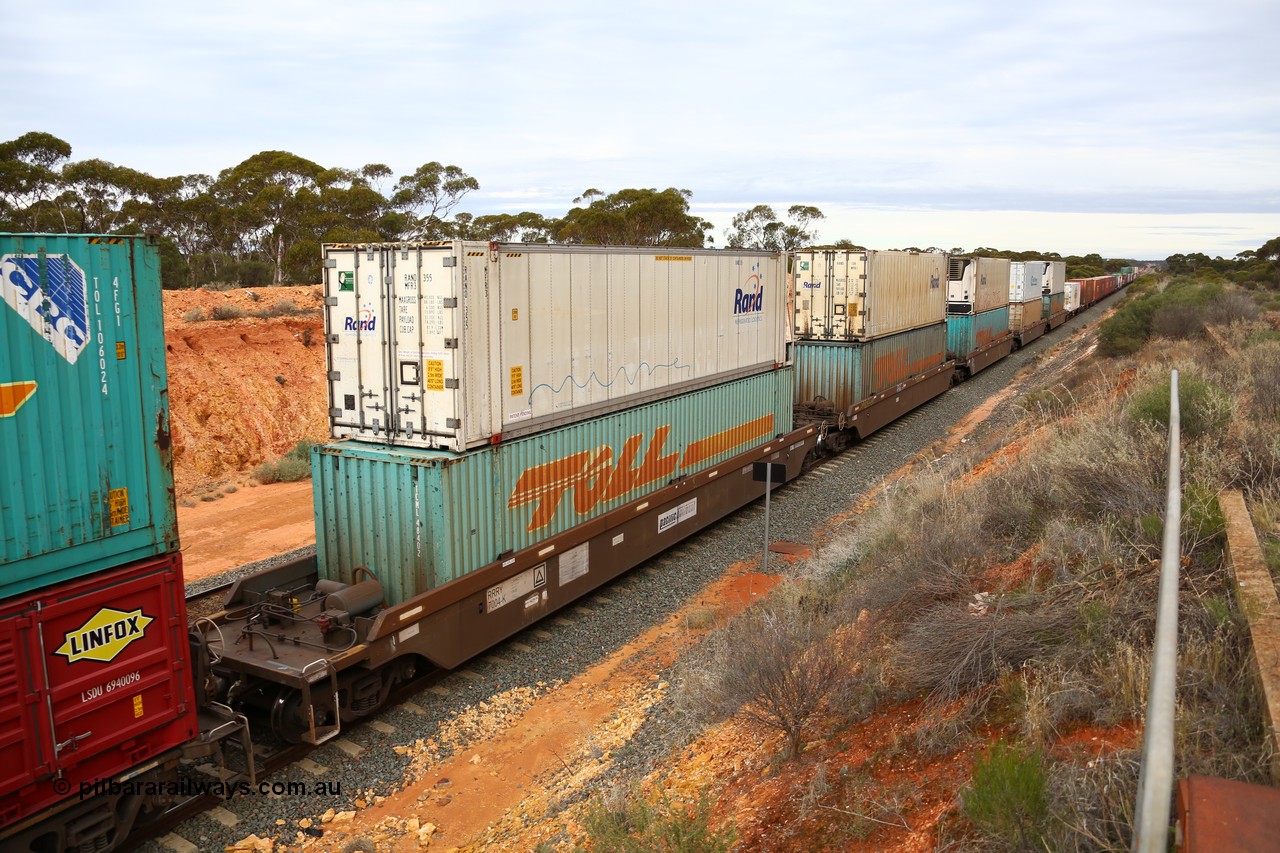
512	588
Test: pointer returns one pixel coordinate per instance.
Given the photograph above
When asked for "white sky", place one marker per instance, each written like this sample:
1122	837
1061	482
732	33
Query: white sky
1134	128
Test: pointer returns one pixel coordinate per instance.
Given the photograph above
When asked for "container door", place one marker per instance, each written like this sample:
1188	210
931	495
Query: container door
424	384
110	647
356	315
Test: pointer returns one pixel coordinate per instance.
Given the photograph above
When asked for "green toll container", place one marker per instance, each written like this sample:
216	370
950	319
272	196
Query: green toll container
86	467
420	518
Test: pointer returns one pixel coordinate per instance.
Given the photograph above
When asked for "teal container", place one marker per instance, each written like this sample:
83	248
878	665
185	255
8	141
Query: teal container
421	518
1053	304
848	373
85	456
967	333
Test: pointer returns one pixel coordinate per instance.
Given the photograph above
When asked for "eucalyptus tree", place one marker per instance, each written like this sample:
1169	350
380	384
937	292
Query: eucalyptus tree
634	217
760	228
428	196
29	179
264	202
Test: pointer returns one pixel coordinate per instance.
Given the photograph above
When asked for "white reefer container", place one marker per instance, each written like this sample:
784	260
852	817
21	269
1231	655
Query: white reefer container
1052	274
1026	281
1071	296
854	295
976	285
457	344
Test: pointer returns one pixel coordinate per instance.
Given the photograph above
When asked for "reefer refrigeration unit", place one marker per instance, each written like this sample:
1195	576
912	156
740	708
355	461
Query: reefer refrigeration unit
458	344
976	285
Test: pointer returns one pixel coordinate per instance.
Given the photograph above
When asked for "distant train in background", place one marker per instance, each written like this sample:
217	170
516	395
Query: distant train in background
514	425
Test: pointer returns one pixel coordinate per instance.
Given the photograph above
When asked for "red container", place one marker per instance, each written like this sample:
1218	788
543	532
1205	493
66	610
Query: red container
95	678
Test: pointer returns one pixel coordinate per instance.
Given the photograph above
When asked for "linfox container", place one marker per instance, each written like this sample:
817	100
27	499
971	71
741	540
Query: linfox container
86	463
976	285
1071	296
1024	315
455	344
968	333
102	672
848	295
421	518
847	374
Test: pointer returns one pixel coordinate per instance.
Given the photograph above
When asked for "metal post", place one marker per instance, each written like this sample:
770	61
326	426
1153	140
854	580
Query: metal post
1155	779
768	489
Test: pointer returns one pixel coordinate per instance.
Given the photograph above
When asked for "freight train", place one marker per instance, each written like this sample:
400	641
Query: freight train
513	426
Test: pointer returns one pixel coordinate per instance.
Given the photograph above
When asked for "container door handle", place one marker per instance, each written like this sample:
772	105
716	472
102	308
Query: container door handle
71	742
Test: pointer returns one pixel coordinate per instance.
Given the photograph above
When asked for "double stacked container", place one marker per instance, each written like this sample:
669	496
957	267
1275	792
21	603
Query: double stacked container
492	397
95	674
1026	297
1054	275
867	323
978	311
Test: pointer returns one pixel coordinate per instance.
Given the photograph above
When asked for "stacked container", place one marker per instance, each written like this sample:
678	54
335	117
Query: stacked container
95	670
453	345
867	323
1026	294
84	410
848	295
494	397
975	285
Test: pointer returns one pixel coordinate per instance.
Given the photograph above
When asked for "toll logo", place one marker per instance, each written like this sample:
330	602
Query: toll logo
748	300
365	321
104	636
51	293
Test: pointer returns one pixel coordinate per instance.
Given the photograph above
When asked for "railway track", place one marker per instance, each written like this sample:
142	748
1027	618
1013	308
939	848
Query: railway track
585	632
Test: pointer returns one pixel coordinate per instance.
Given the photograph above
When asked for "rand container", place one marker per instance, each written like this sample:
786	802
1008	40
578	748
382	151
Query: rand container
975	285
453	345
97	679
86	467
847	374
852	295
420	518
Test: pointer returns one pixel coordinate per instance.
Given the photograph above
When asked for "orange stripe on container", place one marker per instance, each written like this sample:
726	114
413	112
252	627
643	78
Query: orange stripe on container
13	395
714	445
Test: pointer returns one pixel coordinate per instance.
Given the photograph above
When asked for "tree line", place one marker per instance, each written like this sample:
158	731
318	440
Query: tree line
263	221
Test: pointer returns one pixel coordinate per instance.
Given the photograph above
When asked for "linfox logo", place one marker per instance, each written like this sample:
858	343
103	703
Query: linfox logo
749	299
105	635
364	322
603	475
51	293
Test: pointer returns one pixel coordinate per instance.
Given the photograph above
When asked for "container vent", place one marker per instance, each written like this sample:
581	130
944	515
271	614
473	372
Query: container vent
957	266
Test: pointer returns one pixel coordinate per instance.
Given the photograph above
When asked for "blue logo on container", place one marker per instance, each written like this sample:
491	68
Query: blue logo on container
365	321
58	310
748	300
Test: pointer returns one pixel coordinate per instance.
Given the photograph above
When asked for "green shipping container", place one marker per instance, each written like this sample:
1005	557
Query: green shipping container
85	455
421	518
848	373
967	333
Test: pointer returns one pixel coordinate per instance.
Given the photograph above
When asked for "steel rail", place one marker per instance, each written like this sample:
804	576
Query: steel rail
1155	778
